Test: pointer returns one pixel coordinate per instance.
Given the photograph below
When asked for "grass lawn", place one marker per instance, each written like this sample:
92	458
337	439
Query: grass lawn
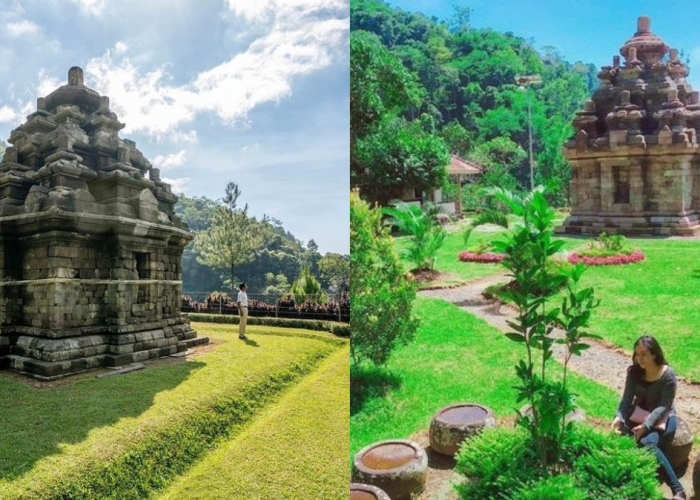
455	357
122	437
446	260
296	449
658	297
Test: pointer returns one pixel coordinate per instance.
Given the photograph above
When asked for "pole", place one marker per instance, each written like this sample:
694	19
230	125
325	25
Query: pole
529	134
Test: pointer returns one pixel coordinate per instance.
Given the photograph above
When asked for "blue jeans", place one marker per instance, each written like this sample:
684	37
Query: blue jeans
653	440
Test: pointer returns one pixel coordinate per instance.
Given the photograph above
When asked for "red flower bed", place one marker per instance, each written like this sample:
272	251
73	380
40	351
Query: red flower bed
612	260
486	257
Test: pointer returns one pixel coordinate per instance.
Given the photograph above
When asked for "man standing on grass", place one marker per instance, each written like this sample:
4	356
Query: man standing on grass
242	311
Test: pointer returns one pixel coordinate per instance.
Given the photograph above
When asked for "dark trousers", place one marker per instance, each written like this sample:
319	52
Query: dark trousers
655	440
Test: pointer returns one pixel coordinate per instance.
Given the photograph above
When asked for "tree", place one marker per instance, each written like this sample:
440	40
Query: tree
398	155
335	270
233	237
382	297
426	235
307	287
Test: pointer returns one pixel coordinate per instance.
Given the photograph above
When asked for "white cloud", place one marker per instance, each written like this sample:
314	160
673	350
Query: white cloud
8	115
165	163
91	7
178	185
22	28
120	47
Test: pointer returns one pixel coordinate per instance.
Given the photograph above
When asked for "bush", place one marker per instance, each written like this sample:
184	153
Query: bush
607	245
382	297
501	463
338	329
609	260
552	488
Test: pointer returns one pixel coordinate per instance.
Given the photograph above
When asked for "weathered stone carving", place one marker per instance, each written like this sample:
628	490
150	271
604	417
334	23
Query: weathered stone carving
90	246
634	157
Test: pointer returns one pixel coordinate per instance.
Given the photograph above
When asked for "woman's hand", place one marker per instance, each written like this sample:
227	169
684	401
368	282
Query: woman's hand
615	426
639	431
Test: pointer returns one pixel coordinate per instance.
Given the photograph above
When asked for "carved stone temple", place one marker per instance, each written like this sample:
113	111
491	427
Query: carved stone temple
90	247
635	159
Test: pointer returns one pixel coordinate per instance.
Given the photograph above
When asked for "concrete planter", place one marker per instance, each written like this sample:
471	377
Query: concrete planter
366	492
397	466
455	423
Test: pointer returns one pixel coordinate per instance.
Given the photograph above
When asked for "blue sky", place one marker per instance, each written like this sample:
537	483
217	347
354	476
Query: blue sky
582	30
211	91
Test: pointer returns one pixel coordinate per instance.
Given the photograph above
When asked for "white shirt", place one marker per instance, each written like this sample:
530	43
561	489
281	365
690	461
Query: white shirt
243	298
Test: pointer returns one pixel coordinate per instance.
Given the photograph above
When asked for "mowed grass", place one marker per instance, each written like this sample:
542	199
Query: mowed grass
447	261
659	296
122	437
297	448
455	357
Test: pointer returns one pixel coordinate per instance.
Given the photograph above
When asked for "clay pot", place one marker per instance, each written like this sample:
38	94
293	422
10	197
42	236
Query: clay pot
397	466
455	423
360	491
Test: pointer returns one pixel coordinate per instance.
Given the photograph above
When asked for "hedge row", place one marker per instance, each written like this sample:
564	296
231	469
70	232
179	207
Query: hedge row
152	464
339	329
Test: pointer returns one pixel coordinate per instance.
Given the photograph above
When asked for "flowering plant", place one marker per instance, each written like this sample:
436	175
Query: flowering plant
610	260
486	257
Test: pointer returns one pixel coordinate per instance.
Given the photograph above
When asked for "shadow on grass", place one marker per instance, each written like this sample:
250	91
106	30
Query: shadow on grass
370	382
37	422
696	273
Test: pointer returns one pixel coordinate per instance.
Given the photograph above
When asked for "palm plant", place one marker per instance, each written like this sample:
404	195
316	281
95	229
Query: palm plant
426	235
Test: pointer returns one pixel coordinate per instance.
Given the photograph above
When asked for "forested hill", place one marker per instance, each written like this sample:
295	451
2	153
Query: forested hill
415	78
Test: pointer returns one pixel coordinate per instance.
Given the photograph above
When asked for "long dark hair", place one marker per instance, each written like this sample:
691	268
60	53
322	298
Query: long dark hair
654	349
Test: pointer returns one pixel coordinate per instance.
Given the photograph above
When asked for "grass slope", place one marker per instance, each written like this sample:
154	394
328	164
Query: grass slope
296	449
122	437
455	357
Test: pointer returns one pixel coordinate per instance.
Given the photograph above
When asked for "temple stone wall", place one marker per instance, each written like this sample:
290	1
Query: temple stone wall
635	155
90	246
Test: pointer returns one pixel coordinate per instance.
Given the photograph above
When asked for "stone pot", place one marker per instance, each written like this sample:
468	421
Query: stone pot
360	491
397	466
455	423
679	450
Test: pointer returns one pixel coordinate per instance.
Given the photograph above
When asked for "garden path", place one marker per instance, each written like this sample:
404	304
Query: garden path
603	362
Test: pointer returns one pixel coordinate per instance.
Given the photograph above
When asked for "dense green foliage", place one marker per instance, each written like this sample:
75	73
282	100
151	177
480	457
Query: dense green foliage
272	268
306	287
457	82
426	236
607	245
380	310
501	463
528	249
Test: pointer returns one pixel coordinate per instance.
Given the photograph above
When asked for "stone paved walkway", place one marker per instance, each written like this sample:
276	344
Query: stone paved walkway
603	363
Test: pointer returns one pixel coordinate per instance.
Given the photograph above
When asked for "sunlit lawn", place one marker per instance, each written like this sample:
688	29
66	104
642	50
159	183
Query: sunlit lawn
296	449
455	357
129	434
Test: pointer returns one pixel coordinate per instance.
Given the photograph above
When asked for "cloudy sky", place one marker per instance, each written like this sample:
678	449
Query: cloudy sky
582	30
211	91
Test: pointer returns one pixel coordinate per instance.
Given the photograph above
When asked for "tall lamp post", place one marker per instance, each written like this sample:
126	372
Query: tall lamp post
524	81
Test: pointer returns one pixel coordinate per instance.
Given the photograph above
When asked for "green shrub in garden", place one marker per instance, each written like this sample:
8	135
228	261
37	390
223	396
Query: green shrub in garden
382	297
500	464
552	488
607	245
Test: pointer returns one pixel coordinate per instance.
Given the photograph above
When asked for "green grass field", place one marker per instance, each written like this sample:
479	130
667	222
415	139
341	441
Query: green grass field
455	357
123	437
290	451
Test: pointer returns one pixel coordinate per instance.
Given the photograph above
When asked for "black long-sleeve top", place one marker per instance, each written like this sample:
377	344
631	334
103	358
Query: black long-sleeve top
655	397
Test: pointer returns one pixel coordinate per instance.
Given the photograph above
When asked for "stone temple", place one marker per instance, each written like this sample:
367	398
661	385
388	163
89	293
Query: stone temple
635	159
90	247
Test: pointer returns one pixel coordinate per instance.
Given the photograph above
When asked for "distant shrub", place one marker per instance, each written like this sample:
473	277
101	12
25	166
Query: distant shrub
607	249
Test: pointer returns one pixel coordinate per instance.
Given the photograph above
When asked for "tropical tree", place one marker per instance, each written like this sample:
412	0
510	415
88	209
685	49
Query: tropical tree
426	235
233	237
